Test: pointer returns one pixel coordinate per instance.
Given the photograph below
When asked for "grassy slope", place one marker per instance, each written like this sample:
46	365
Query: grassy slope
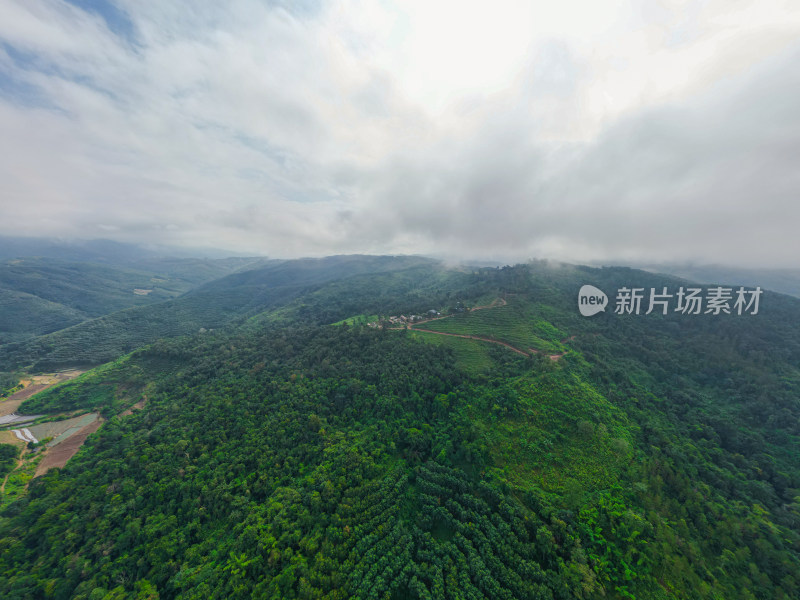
109	388
566	436
518	323
471	355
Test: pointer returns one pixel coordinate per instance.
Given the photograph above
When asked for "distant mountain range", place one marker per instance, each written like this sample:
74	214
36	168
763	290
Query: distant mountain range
785	281
99	251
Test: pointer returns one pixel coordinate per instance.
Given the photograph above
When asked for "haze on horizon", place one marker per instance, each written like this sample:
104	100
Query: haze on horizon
581	131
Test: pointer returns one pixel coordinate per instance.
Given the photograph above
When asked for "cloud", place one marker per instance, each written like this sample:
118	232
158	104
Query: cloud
583	131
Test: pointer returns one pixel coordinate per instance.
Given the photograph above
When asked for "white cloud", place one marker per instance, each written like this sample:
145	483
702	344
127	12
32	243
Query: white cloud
578	130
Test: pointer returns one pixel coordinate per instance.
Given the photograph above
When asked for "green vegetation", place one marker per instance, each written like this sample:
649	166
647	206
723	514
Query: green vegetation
281	457
517	323
9	383
18	481
470	355
358	320
109	389
413	288
562	436
23	316
40	296
331	288
88	289
8	459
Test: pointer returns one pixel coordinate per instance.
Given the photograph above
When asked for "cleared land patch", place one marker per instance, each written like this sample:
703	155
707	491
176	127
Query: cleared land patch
515	323
58	456
129	411
6	437
15	419
61	430
10	404
64	438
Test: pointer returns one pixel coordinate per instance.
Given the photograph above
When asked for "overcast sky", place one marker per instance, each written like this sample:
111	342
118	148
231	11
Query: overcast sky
579	130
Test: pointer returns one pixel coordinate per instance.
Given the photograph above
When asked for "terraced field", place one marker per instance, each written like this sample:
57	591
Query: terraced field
59	431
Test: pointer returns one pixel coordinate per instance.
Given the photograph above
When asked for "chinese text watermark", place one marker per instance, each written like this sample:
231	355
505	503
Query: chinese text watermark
685	300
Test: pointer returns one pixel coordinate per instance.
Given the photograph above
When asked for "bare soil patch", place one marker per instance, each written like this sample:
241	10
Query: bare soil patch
7	437
129	411
34	385
20	396
51	378
59	455
10	406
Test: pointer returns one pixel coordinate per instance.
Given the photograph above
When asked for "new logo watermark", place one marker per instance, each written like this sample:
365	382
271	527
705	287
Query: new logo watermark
591	300
688	301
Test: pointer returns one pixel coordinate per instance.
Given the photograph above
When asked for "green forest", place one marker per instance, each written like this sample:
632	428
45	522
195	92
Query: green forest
300	450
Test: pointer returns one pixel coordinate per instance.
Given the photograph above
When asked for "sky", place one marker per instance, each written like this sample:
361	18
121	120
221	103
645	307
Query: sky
586	131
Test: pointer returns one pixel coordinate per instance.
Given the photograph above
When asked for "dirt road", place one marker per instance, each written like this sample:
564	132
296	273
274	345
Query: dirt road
475	337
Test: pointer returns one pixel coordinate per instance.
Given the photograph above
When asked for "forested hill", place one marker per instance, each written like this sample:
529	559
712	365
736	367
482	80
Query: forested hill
43	295
226	300
507	448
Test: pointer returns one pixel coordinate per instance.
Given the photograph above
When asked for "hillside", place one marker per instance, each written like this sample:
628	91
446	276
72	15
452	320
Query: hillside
222	302
103	252
23	316
39	295
517	450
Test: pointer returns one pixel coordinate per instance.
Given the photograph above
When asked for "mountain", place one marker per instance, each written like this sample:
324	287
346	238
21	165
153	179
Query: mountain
23	316
335	439
216	304
96	251
44	295
785	281
106	252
